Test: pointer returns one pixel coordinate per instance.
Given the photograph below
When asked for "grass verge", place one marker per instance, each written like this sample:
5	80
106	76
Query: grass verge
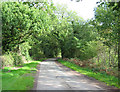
108	79
21	78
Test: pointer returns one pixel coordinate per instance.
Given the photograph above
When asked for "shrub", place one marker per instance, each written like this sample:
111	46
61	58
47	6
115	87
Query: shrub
7	59
11	58
17	59
89	51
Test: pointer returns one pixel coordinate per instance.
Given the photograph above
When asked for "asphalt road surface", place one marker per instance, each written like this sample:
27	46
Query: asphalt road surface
54	76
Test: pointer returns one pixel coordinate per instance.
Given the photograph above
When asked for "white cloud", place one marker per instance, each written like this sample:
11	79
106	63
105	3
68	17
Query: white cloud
84	8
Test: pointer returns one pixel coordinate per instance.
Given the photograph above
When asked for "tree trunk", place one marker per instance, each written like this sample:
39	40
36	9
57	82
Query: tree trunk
98	58
62	52
119	51
109	57
119	44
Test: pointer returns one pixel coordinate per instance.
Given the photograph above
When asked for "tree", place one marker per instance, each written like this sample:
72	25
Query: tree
107	23
116	7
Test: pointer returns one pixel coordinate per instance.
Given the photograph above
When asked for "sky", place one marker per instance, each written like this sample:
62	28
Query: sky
83	9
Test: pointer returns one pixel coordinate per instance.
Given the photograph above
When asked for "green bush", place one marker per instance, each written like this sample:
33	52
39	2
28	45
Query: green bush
36	53
17	59
38	56
89	51
7	59
11	58
24	49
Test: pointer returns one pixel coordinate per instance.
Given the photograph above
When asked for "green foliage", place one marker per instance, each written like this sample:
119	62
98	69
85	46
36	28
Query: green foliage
11	58
17	59
49	46
24	49
7	59
21	22
89	50
39	29
36	53
80	43
107	21
23	25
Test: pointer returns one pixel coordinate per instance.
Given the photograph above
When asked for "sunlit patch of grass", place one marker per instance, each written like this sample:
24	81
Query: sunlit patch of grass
108	79
19	79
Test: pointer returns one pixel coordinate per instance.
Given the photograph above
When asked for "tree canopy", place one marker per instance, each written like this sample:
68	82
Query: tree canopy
40	29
